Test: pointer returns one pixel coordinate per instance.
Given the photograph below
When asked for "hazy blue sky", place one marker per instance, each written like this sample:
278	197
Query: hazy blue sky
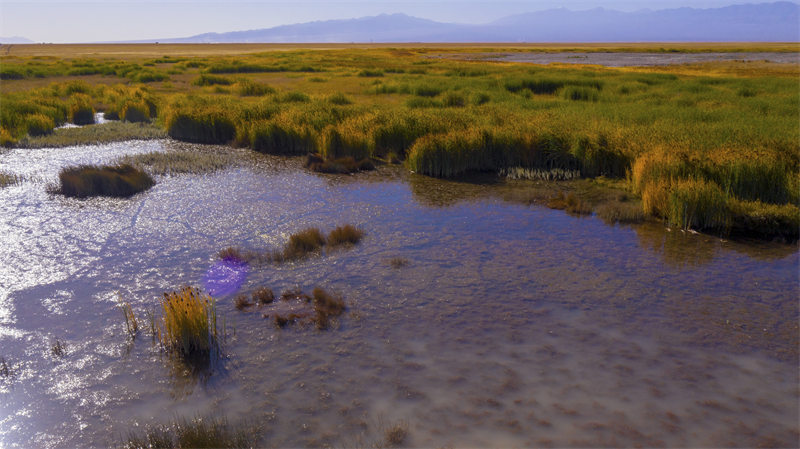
114	20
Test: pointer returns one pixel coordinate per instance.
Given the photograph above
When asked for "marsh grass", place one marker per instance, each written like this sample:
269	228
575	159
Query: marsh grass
342	165
195	433
344	235
5	370
180	162
263	296
326	306
398	262
106	180
188	326
733	125
212	80
95	134
242	302
232	254
535	174
58	348
303	243
250	88
131	325
621	212
571	203
9	179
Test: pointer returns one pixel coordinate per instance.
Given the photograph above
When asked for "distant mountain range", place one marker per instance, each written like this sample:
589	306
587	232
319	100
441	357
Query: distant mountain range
765	22
15	40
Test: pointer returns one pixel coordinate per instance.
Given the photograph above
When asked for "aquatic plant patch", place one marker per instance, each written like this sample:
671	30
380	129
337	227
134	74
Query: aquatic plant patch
105	180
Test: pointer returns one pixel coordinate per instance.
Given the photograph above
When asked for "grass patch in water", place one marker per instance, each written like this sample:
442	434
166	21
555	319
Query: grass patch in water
105	180
303	243
131	325
197	433
398	262
342	165
188	326
621	212
95	134
344	235
571	203
326	306
8	179
263	295
58	348
180	162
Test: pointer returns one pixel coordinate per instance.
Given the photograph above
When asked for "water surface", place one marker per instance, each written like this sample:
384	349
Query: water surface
511	325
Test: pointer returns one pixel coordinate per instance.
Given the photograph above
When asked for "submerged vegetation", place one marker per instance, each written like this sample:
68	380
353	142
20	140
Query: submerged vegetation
91	180
709	147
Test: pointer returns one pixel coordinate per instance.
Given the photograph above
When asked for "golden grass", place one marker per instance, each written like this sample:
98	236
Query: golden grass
188	326
302	243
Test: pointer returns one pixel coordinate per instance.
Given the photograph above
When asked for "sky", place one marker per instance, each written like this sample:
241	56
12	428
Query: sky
118	20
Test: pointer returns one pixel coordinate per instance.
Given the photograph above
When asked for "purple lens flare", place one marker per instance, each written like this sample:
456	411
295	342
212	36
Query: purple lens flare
225	277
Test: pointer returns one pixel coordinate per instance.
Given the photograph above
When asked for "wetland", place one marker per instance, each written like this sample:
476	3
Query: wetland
364	246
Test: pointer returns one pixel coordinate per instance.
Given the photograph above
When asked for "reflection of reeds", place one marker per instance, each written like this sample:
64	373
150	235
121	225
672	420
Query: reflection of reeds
189	323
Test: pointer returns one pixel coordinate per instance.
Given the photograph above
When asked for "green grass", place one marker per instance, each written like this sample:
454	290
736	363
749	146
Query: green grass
9	179
106	180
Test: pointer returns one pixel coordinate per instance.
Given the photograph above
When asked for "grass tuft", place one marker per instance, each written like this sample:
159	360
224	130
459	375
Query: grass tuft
92	180
303	243
326	306
188	326
131	325
263	296
345	235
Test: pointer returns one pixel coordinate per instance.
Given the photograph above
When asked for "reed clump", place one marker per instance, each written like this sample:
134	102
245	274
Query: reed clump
344	235
342	165
131	324
326	306
188	327
81	111
196	433
106	180
263	296
250	88
303	243
571	203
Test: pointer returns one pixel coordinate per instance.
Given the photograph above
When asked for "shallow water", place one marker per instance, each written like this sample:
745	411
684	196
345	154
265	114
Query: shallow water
635	59
511	325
